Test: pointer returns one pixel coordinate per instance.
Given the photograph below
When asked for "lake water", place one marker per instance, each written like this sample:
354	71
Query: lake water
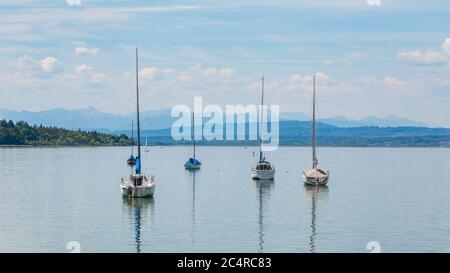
399	198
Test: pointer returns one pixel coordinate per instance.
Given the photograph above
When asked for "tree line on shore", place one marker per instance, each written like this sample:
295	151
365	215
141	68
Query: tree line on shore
21	133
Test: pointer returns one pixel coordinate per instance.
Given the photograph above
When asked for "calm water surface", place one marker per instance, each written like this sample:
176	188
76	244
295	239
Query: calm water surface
398	197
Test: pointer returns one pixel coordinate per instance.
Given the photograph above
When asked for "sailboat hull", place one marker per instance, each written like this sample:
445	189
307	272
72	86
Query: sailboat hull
144	189
316	177
138	192
189	166
263	174
192	164
313	182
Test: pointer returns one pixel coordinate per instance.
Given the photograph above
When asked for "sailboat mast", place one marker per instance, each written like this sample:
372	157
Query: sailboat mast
193	130
261	121
314	158
137	107
132	137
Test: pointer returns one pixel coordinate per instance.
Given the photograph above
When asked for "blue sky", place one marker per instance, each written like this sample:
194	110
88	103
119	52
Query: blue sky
390	57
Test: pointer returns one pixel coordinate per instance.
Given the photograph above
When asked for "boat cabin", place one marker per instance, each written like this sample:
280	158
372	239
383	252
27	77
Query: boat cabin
263	166
194	161
137	180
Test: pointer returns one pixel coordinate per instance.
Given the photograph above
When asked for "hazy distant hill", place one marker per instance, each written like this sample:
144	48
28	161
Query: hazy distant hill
299	133
340	121
91	119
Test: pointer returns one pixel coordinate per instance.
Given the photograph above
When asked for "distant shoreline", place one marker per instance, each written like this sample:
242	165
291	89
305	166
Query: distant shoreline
216	145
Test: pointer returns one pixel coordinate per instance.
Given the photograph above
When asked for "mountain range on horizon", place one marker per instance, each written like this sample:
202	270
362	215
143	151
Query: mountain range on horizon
90	118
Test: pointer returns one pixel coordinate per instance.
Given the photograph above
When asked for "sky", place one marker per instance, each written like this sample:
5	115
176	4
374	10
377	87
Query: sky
371	57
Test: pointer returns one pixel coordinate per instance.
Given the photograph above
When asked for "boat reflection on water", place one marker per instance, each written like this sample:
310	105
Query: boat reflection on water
318	194
192	174
264	189
138	207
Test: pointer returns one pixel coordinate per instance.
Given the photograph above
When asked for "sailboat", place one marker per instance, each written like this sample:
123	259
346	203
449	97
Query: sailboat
263	169
146	145
193	163
315	176
138	184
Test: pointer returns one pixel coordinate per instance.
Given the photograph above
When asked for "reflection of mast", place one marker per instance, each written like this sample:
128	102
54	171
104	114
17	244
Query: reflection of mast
260	222
193	206
136	206
263	192
317	194
137	228
312	238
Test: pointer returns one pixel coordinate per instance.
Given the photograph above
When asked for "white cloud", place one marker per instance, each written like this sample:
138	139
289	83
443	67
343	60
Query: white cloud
33	66
309	78
79	51
373	2
296	78
392	82
83	68
273	86
84	76
210	72
184	78
99	78
322	76
26	80
446	47
168	71
226	72
73	2
27	63
301	83
50	64
389	82
387	85
149	73
417	57
429	57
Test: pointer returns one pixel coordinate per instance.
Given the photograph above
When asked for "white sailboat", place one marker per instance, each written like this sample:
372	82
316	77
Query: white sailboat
193	163
315	176
138	184
263	170
146	145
